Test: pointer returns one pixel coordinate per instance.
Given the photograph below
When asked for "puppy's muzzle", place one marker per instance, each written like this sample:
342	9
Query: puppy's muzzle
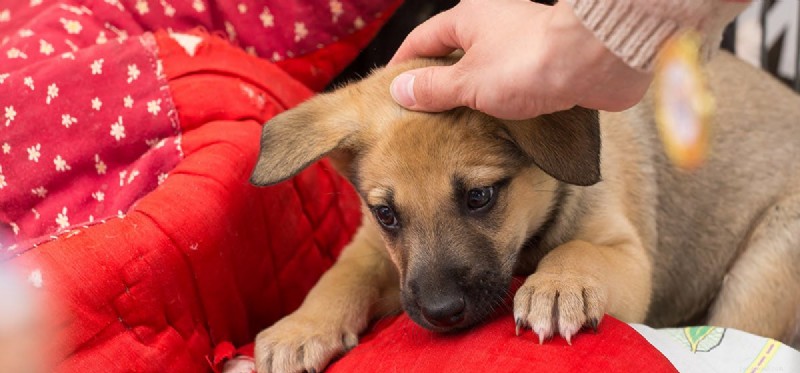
445	311
439	300
449	299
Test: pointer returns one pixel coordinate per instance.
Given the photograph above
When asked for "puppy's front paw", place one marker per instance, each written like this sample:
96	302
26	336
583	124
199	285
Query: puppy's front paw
564	301
298	343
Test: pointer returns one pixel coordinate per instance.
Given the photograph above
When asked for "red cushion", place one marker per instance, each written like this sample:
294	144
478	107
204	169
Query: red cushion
400	345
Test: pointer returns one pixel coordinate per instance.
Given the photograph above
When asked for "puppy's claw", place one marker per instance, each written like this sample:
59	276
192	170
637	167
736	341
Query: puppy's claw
569	339
541	339
517	326
349	341
312	370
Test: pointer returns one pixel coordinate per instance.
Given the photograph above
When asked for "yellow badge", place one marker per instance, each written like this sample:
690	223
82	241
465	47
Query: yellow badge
684	105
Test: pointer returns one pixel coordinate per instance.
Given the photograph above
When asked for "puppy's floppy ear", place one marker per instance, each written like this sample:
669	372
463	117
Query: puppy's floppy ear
565	145
296	138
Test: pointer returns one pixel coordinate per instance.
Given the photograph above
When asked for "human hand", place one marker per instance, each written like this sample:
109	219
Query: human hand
521	60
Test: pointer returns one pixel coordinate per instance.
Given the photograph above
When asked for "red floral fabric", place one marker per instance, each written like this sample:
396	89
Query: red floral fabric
73	156
87	163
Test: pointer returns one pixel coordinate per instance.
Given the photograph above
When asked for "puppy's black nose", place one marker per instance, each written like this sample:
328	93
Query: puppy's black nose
444	311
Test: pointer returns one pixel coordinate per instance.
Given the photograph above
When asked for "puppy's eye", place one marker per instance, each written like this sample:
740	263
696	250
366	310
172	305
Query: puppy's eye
479	198
386	216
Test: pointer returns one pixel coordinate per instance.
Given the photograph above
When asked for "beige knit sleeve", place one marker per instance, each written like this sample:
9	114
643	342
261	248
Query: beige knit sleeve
635	30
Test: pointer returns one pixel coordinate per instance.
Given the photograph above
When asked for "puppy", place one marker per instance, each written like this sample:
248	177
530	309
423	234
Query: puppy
456	203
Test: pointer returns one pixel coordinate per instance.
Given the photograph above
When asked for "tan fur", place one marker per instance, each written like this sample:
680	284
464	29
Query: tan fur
648	243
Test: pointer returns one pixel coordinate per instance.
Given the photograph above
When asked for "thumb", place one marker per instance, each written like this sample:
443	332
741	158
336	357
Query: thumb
432	89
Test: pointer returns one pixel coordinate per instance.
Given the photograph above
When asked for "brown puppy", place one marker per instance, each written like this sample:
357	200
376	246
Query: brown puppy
461	201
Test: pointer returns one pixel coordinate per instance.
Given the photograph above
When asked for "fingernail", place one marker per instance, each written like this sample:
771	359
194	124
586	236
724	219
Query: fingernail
402	89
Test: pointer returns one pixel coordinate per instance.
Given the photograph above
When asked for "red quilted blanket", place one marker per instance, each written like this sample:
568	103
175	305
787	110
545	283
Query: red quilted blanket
128	129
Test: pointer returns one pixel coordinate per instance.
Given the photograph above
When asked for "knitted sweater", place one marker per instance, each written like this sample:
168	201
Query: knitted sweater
635	30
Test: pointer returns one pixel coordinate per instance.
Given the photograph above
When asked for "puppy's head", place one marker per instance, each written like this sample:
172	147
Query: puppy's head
456	194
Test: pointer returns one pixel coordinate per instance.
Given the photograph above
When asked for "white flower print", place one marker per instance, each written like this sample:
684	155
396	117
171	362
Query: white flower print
115	3
52	92
68	56
267	20
122	175
101	38
14	228
10	114
162	177
117	129
96	103
3	183
230	30
120	214
99	165
97	66
36	214
133	73
132	176
61	164
75	10
6	148
40	192
154	107
35	3
5	15
91	219
71	45
358	23
16	53
142	7
169	10
28	81
199	6
34	152
73	27
99	196
62	219
336	9
45	48
242	7
127	101
300	31
276	56
25	33
35	278
152	142
122	35
68	120
3	77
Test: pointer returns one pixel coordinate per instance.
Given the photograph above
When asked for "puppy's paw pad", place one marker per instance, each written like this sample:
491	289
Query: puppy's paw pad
558	303
300	344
